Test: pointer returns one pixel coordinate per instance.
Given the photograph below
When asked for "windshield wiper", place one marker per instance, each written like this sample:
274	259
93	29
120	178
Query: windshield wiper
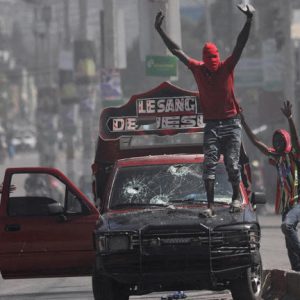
187	200
146	205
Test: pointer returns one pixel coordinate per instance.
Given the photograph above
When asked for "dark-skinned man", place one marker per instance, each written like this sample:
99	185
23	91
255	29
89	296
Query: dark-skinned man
285	156
215	81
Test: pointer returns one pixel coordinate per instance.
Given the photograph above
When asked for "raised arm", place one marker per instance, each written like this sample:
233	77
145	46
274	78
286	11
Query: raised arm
260	145
171	45
287	111
243	36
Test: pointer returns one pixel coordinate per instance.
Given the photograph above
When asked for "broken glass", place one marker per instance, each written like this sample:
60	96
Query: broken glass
167	184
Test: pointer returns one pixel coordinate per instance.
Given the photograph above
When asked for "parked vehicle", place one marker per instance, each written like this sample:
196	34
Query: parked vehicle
147	231
24	140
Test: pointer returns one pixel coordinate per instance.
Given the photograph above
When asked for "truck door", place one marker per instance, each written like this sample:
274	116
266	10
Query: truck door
46	225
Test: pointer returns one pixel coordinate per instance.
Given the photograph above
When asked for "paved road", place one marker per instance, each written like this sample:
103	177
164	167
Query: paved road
272	249
77	289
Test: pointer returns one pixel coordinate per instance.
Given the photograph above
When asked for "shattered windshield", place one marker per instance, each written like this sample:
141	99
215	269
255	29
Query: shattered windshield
163	185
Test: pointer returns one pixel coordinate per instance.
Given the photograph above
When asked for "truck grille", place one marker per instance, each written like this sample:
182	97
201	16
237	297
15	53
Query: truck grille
194	248
186	248
230	250
174	248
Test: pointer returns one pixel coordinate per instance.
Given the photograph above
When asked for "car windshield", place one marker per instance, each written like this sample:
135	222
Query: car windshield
163	185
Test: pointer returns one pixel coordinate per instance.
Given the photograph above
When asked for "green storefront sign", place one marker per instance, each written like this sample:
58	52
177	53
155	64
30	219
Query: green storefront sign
164	66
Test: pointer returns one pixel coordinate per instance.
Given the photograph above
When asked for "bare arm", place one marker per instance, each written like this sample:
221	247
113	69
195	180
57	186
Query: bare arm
260	145
287	111
244	34
171	45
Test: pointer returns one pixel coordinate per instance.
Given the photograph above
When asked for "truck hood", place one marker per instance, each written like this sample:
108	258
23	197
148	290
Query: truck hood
137	219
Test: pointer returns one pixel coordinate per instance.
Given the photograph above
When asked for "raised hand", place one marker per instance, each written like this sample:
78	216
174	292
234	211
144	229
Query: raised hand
159	19
248	10
11	188
287	109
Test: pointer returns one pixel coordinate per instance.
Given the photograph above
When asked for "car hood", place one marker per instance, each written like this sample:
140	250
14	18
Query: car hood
137	219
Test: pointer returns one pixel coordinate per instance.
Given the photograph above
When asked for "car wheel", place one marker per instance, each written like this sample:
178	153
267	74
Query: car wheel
105	288
249	287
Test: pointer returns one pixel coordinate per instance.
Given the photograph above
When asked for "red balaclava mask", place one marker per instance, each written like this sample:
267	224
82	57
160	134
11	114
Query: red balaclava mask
282	143
211	56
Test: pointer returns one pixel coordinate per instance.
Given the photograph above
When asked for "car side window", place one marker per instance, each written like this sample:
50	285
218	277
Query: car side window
36	194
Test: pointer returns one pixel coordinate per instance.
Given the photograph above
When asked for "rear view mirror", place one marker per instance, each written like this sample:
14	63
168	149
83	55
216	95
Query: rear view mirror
55	209
258	198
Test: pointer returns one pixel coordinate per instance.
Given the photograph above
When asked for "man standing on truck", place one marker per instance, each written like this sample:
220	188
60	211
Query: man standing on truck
222	133
285	156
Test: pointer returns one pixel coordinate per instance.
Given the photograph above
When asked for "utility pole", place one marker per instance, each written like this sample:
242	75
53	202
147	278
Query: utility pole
288	55
209	33
231	23
38	33
47	96
83	9
67	35
68	95
36	46
285	47
150	42
47	19
85	75
114	51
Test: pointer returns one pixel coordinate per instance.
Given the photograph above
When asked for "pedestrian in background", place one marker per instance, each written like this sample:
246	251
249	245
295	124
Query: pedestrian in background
9	142
222	133
285	156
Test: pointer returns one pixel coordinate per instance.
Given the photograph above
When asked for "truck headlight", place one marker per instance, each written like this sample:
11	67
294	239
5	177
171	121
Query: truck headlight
113	243
254	238
118	243
102	243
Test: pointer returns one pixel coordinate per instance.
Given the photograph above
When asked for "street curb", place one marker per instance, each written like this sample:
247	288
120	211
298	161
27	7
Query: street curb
281	284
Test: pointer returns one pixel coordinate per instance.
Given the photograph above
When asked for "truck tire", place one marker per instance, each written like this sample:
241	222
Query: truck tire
102	287
249	287
105	288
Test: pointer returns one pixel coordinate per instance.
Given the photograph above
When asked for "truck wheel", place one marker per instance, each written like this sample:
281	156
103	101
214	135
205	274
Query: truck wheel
105	288
249	287
121	292
102	287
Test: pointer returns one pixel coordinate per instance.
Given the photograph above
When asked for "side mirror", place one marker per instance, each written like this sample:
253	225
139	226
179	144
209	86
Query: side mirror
55	209
258	198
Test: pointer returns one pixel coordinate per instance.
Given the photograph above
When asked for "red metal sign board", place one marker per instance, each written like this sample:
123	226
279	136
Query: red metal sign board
164	110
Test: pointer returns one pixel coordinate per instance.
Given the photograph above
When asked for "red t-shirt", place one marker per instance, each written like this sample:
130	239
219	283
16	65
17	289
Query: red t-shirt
216	93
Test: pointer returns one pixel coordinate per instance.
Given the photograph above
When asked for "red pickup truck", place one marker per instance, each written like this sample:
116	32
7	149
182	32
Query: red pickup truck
146	230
